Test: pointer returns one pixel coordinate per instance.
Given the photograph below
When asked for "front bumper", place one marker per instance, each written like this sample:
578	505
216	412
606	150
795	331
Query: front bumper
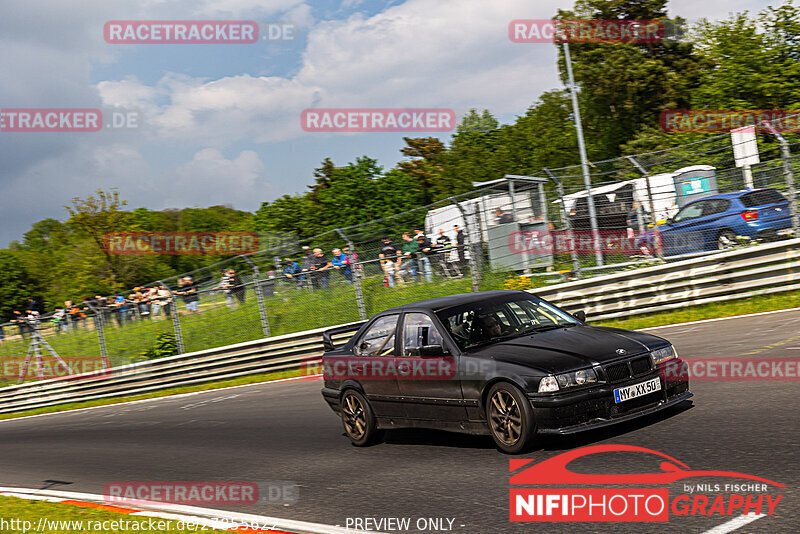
572	412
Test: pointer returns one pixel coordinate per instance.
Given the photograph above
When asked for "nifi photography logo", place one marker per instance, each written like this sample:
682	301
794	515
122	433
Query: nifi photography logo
538	492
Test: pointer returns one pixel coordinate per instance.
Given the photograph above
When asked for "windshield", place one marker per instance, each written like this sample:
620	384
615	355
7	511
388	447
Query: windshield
490	321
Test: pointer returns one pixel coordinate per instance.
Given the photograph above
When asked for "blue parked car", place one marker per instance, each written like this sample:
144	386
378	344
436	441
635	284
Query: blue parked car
712	223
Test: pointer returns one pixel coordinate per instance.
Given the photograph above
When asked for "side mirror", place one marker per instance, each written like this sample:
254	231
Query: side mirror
580	315
432	350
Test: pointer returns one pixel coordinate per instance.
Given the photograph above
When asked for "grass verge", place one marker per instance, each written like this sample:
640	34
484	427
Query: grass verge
23	515
763	303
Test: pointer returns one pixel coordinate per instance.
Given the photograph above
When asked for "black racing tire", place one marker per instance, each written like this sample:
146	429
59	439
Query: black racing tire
726	239
358	419
509	415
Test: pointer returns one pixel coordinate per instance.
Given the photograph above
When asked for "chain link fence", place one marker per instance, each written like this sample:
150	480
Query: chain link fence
516	232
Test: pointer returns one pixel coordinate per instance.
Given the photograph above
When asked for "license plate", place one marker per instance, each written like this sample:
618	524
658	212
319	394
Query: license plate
637	390
786	231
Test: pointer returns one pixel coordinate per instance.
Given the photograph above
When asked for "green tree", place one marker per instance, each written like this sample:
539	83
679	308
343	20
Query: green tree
16	284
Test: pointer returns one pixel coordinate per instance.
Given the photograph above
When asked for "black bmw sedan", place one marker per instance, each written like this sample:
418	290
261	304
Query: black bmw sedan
504	363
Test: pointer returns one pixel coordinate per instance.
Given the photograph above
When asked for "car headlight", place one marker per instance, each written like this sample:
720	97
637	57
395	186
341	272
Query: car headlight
548	384
576	378
663	355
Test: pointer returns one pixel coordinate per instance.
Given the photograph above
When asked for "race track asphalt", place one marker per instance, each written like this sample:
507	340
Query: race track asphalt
285	432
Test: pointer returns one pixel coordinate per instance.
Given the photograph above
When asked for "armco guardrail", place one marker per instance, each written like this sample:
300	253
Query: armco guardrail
729	275
740	273
281	353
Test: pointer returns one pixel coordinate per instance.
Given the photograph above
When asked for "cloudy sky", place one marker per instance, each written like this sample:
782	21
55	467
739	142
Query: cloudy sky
220	123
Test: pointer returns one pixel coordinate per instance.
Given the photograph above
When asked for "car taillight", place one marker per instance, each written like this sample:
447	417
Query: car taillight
750	215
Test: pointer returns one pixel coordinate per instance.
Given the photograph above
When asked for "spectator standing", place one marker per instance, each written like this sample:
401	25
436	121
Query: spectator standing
503	217
341	263
226	285
33	305
139	298
460	246
59	319
320	274
237	286
120	309
634	228
445	255
409	250
352	260
73	312
423	256
164	300
390	259
155	302
292	271
19	320
188	291
306	266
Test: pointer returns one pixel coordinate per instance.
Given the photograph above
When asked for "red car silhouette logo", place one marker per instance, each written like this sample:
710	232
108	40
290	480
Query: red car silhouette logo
554	470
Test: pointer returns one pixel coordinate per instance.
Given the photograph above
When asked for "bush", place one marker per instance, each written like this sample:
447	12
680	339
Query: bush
166	345
523	283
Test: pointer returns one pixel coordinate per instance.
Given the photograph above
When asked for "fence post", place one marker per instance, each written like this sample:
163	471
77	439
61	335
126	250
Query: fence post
362	311
176	322
656	231
576	263
788	175
262	311
473	261
587	179
101	335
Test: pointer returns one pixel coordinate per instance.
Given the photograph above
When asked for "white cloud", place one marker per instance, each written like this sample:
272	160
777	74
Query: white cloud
210	178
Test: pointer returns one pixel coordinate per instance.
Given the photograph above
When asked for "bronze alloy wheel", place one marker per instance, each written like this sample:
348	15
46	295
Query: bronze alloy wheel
510	418
358	418
353	413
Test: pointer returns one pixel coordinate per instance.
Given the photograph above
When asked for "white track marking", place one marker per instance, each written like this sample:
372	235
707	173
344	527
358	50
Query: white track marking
189	513
720	319
735	523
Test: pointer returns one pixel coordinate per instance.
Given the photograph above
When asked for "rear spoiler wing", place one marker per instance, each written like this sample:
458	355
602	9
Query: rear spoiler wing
327	341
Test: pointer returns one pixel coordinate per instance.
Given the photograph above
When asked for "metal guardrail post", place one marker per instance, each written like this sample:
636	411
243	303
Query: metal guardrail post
101	335
788	175
176	322
576	264
473	261
262	311
656	231
362	311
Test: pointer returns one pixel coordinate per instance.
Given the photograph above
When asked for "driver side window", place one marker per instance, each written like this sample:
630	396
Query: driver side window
692	211
418	331
378	340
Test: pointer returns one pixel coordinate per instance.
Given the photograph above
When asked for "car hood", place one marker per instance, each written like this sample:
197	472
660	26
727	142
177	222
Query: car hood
567	349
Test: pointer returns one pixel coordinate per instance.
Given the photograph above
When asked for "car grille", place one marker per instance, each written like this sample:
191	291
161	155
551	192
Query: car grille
628	369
